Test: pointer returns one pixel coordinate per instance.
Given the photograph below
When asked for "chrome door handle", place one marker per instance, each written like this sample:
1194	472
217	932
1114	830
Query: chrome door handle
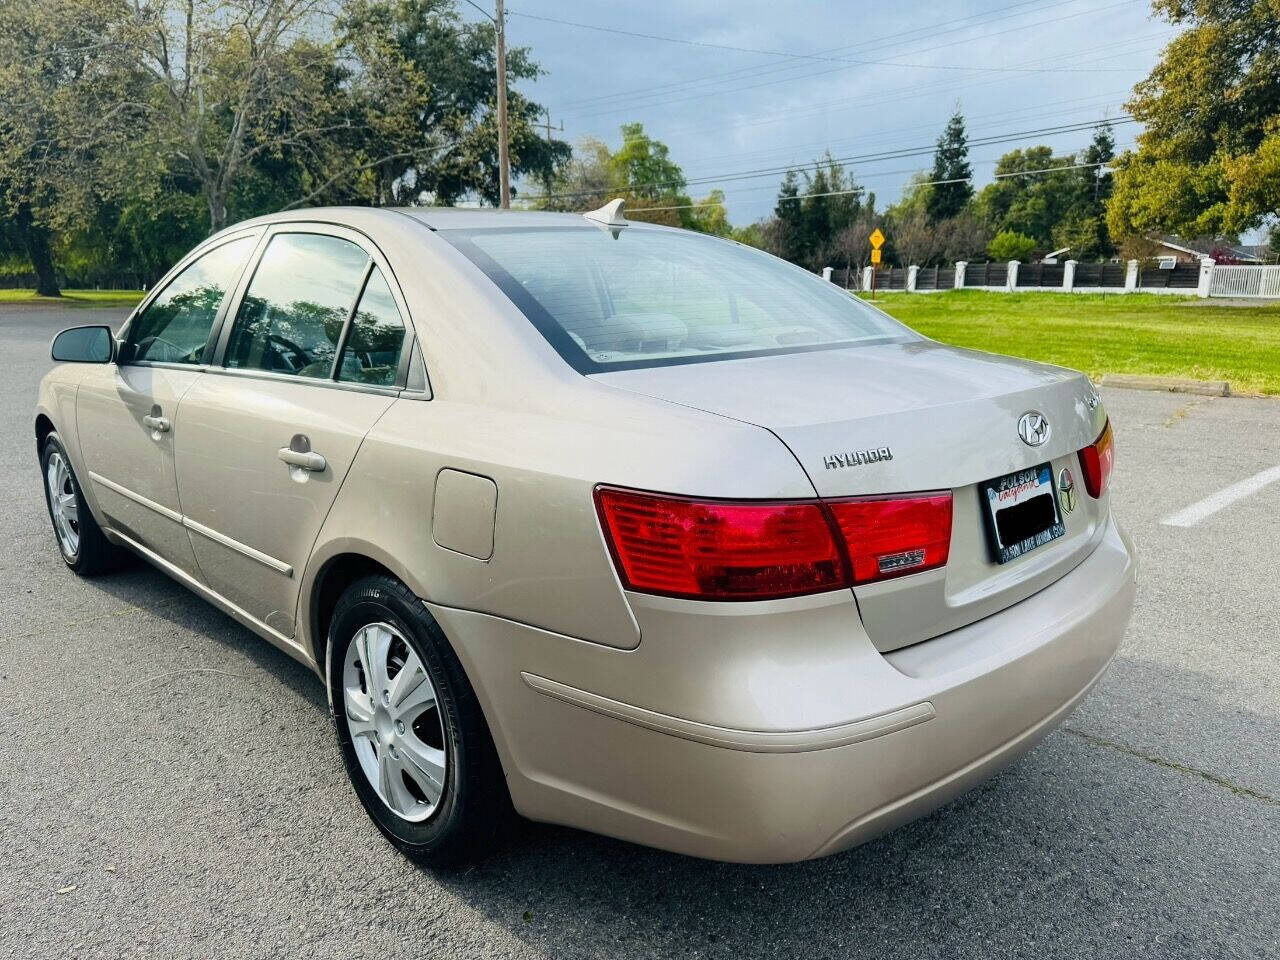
312	462
158	424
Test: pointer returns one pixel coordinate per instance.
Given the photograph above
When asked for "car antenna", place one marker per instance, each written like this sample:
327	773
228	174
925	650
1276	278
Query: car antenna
609	216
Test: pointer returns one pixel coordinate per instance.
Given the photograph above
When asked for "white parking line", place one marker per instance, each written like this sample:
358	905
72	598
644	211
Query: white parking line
1190	516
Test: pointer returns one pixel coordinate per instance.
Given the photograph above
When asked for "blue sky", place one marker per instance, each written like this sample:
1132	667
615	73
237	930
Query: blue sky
1012	67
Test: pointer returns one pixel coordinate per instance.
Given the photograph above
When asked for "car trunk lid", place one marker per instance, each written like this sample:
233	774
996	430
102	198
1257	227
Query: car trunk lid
906	417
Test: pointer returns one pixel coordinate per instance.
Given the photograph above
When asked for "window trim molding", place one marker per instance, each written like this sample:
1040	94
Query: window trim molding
344	334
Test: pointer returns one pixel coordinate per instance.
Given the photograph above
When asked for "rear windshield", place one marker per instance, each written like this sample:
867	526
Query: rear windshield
649	297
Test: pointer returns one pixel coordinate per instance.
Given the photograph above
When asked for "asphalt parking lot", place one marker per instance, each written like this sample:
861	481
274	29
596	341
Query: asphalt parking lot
179	774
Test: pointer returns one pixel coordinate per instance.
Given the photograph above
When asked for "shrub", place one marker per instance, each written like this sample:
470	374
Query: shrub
1009	245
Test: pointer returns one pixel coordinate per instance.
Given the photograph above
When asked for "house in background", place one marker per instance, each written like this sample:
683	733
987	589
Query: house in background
1173	249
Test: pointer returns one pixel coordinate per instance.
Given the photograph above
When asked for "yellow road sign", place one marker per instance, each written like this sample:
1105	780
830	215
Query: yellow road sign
877	239
875	256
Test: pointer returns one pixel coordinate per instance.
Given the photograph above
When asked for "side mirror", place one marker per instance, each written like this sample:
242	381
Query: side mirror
92	344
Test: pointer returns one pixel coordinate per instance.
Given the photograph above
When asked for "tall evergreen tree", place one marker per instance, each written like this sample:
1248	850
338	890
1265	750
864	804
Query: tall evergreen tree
1084	227
952	188
1102	150
807	222
784	233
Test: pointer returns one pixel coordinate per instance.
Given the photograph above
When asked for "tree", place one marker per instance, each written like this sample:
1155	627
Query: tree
784	231
373	101
963	237
1009	245
753	235
710	216
1032	193
852	245
651	179
1059	200
1209	153
1083	229
643	174
951	189
434	91
645	164
806	223
231	80
116	112
913	239
65	106
914	199
587	181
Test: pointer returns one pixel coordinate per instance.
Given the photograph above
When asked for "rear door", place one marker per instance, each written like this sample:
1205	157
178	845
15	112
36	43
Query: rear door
316	353
125	412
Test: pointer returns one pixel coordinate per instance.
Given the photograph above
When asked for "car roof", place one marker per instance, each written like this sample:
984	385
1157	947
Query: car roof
466	218
434	218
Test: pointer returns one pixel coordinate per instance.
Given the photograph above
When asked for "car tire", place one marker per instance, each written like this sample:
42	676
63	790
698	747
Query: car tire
377	630
84	547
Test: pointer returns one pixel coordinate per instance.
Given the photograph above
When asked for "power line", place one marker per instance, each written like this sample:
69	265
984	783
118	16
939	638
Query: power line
825	107
896	154
916	151
859	190
485	13
613	108
787	64
1091	104
876	174
808	56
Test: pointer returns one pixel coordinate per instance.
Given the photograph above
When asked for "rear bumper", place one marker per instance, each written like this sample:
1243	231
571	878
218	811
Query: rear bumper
921	724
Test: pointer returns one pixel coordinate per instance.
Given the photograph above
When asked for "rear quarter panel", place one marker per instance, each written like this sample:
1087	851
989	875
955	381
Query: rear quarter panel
549	566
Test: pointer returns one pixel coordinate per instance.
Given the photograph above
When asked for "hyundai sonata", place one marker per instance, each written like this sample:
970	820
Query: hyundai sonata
627	528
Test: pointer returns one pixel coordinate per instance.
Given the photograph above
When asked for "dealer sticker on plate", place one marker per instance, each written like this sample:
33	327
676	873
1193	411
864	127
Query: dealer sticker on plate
1022	512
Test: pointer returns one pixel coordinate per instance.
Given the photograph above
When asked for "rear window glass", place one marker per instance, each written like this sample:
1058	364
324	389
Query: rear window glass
651	297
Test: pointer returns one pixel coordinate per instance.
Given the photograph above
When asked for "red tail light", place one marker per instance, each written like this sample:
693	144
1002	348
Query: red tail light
717	550
893	536
724	550
1096	461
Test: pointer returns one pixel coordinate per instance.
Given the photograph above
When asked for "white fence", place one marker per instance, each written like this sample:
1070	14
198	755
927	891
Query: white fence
1205	279
1231	281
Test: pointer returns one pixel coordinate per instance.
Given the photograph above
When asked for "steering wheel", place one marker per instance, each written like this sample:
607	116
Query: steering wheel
178	355
292	355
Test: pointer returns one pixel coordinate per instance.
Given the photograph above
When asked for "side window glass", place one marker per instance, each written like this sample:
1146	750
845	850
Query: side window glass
372	352
293	313
175	326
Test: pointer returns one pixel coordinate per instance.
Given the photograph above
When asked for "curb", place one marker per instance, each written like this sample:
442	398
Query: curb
1208	388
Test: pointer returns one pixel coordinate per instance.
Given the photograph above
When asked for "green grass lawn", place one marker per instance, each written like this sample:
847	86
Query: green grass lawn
76	298
1135	333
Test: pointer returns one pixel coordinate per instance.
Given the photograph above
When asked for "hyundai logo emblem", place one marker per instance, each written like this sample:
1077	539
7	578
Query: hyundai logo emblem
1033	428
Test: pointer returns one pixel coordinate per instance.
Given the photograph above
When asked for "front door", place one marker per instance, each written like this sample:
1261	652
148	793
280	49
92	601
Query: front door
267	437
126	412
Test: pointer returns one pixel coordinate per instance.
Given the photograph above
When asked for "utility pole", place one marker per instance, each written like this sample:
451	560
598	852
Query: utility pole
548	179
504	176
546	125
